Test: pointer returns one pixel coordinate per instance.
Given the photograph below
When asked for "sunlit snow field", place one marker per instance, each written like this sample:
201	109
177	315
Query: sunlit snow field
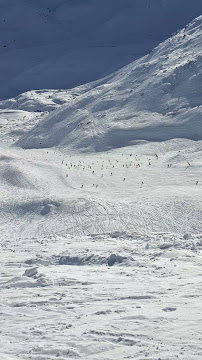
101	207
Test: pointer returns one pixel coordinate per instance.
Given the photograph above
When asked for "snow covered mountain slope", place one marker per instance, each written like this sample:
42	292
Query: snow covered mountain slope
100	202
61	44
155	98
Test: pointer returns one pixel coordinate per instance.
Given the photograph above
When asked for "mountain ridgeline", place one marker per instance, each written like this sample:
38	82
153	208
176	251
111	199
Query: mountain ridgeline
63	44
155	98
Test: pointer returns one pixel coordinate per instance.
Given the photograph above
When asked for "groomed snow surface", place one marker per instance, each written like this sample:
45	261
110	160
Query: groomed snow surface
101	205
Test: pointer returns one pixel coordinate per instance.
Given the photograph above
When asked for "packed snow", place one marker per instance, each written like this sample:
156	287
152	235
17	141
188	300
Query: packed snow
101	183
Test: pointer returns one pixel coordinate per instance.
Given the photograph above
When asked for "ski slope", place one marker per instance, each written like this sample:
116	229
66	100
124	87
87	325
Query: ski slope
46	191
101	183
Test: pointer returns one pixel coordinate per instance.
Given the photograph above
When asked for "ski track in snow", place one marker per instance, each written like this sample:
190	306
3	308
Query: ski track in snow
92	196
146	306
101	235
71	303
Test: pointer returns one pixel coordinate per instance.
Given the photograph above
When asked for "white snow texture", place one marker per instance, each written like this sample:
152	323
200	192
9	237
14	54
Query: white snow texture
101	179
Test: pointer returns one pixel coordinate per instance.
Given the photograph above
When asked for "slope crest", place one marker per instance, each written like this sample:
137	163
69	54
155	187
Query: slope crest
155	98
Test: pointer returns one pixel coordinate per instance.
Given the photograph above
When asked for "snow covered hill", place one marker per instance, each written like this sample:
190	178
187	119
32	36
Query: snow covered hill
100	184
61	44
155	98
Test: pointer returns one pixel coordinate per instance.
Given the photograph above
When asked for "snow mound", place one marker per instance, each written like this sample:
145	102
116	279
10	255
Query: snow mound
92	259
20	282
40	100
156	98
12	176
61	44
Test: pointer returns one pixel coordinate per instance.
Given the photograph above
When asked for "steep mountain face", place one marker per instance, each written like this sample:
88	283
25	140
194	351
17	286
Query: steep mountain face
155	98
61	44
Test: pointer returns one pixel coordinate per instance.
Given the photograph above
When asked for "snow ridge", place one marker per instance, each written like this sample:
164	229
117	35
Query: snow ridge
62	44
156	98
